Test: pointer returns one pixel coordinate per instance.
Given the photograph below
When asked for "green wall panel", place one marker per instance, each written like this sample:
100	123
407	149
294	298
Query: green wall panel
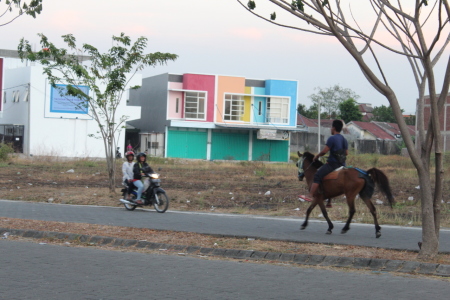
229	145
187	144
270	150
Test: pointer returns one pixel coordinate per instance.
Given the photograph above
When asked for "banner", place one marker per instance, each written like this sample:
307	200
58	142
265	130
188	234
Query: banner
62	103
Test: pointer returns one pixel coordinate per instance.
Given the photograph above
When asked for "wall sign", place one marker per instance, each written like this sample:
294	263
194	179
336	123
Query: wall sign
62	103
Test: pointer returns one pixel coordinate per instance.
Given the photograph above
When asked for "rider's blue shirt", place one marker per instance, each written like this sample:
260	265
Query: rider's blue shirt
335	143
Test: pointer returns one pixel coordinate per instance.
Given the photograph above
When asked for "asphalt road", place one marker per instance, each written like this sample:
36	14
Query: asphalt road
33	271
393	237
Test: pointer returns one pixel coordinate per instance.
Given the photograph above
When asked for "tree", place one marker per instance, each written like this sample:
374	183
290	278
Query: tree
301	109
421	33
31	8
107	75
330	98
384	114
350	111
410	120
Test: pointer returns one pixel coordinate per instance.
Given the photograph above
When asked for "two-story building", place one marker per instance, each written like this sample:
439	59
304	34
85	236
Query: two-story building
215	117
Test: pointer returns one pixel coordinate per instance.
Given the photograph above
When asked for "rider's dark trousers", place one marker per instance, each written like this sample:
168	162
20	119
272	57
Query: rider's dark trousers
325	170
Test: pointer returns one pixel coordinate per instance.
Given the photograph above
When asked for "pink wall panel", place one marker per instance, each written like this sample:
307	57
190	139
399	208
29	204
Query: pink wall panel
206	83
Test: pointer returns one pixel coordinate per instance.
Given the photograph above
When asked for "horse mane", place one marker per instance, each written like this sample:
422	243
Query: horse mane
309	156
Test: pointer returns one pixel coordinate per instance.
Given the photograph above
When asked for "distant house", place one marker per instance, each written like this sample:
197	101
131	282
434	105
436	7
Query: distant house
305	123
444	120
368	131
394	130
366	110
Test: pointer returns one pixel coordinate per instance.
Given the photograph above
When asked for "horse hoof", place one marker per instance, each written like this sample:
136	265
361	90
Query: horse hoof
329	232
378	234
302	227
343	231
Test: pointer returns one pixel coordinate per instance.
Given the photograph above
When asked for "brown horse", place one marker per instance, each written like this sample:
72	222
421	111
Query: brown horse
348	182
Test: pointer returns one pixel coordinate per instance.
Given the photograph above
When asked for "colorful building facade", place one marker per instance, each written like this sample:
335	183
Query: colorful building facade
216	117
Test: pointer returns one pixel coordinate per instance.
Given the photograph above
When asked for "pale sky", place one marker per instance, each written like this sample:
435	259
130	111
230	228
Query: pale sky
214	37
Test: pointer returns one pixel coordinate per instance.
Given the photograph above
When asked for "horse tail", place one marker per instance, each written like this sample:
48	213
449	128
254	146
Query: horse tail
382	182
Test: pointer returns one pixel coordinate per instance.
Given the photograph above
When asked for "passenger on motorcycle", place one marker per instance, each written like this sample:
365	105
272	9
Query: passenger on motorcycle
142	182
127	170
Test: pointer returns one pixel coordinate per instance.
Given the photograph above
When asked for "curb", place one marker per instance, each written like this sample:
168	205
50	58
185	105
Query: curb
372	264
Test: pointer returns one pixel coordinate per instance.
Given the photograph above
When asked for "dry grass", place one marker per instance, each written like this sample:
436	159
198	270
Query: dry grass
231	187
194	239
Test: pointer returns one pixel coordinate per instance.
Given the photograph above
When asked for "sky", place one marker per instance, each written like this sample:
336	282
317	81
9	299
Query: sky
215	37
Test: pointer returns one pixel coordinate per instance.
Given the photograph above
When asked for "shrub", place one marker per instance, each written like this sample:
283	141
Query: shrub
5	150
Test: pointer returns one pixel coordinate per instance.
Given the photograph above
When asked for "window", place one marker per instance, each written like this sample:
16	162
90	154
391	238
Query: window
26	96
176	104
277	110
234	108
259	108
195	105
15	96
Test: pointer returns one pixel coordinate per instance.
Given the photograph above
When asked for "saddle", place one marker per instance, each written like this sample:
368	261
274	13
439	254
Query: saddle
333	175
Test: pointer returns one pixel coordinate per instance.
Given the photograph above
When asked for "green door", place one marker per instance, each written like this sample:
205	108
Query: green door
229	145
187	144
270	150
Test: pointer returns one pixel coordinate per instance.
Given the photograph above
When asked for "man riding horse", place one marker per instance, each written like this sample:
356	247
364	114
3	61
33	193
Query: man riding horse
337	145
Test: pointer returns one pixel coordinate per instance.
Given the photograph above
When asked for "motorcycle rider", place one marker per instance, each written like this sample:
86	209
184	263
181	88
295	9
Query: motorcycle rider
142	182
127	170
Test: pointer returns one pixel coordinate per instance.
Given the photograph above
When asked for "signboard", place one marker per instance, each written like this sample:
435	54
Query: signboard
62	103
270	134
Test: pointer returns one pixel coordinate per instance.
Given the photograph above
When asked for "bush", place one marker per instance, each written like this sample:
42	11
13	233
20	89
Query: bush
5	150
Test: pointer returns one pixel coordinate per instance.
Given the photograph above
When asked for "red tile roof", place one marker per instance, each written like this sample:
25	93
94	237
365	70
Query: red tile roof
393	128
374	129
302	120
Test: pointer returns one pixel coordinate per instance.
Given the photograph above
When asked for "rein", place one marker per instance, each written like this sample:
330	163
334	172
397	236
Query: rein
300	166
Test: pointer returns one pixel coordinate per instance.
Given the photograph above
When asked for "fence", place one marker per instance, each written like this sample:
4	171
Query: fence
307	141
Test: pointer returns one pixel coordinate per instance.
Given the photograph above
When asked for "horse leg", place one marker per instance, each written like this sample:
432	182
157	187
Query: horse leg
308	212
373	211
352	210
325	215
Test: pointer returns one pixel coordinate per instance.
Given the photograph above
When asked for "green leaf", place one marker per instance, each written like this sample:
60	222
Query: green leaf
273	16
300	5
325	2
251	5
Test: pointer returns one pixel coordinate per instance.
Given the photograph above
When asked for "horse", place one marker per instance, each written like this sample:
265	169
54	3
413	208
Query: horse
347	181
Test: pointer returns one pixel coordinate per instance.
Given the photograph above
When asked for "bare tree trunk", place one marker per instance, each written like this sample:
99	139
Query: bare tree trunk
430	241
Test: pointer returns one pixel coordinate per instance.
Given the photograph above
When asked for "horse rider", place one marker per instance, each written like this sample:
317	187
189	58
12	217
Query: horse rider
337	145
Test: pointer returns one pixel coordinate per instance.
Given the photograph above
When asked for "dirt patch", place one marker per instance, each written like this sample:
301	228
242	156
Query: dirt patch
208	241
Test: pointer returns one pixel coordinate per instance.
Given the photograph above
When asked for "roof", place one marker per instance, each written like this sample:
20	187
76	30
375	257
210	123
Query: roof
374	129
365	107
304	121
367	117
394	129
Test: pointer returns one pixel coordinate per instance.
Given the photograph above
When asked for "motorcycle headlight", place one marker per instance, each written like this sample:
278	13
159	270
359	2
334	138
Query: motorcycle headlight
154	176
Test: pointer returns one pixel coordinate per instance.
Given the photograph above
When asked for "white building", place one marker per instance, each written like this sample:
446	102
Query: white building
52	126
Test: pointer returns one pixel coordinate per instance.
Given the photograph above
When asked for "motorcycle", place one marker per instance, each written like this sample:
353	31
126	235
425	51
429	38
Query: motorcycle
154	195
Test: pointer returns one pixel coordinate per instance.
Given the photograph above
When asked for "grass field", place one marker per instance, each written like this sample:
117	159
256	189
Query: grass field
216	186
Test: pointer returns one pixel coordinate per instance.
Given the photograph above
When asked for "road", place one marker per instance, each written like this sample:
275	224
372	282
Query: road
278	228
33	271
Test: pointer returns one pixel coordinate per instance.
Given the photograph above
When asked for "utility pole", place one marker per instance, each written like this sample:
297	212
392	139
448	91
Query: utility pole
318	135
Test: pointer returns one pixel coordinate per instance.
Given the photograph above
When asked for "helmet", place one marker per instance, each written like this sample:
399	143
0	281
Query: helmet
129	153
141	154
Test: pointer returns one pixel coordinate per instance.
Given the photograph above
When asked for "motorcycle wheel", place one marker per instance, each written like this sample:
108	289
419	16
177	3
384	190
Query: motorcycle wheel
161	202
129	206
